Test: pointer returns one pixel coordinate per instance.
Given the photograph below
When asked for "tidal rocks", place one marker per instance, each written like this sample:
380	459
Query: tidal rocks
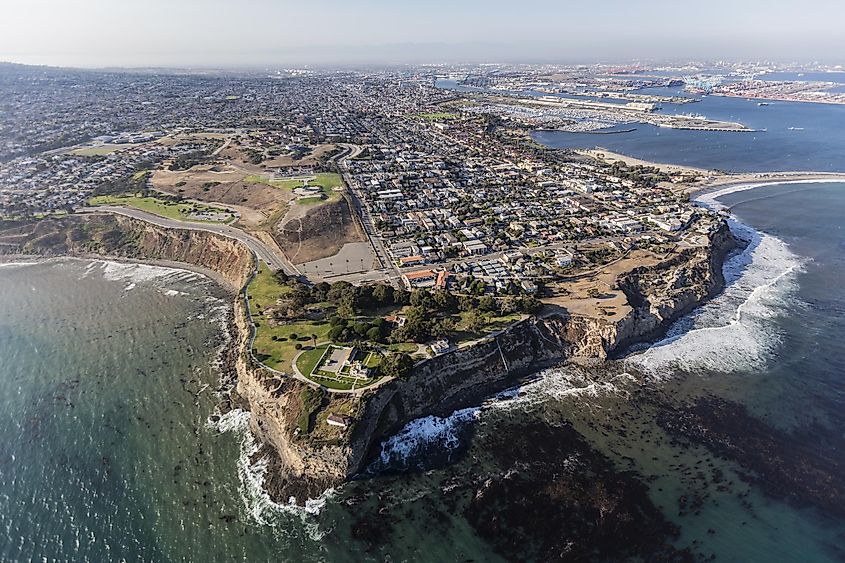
788	466
552	497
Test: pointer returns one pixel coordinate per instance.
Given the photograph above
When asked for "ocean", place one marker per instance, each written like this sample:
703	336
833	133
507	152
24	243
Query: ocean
724	439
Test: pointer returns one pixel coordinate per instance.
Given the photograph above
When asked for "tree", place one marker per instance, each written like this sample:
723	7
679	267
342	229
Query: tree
281	277
294	336
337	290
477	287
397	365
401	297
374	334
530	304
445	301
475	321
443	327
320	291
336	333
417	327
487	304
466	303
383	294
421	298
345	307
314	340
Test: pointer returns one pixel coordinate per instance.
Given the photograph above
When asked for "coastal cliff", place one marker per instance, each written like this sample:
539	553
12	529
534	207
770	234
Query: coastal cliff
305	454
305	464
117	236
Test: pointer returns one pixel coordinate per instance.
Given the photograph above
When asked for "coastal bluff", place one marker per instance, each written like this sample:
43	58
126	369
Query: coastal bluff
305	455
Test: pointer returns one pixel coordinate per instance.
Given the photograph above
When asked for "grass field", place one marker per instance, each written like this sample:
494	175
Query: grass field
264	289
278	353
327	181
308	360
163	208
98	150
373	360
407	347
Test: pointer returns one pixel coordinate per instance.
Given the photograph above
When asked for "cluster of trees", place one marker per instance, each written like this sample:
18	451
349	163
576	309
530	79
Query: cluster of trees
396	365
600	255
429	314
348	299
254	156
343	330
647	176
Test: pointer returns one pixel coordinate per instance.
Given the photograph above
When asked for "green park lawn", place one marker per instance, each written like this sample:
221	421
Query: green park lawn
407	347
273	344
279	353
327	181
309	359
264	289
163	208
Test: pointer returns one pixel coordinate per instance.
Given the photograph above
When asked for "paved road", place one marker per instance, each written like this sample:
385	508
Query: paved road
351	151
273	259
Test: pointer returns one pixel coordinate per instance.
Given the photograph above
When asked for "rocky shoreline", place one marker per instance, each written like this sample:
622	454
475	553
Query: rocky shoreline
302	466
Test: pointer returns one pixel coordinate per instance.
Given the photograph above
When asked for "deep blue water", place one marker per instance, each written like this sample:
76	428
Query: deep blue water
806	76
788	136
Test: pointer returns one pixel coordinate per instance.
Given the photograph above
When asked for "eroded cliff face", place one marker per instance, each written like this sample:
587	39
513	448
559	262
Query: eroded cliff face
117	236
300	466
303	464
658	295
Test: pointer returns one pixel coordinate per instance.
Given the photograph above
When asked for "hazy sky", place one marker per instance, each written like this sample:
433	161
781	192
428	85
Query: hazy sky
283	32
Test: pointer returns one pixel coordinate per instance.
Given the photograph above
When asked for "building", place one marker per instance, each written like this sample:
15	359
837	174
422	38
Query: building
423	278
411	260
475	246
335	419
441	346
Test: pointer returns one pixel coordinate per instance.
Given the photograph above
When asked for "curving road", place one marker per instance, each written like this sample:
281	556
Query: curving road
269	256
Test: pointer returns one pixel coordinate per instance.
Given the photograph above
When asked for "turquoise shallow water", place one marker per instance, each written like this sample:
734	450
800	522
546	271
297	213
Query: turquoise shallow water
106	385
108	382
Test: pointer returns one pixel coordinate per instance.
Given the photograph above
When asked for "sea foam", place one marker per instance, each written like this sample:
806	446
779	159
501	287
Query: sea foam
735	331
251	472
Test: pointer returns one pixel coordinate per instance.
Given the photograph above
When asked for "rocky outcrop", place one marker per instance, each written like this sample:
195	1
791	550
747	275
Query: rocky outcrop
303	465
658	295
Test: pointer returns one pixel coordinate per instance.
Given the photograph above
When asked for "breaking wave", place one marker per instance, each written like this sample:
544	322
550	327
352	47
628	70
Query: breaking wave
399	450
257	502
735	331
413	445
133	273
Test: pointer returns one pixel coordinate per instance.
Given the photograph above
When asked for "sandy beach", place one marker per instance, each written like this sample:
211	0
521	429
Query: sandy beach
712	179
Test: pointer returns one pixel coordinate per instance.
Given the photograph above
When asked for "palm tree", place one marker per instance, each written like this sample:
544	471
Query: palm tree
314	340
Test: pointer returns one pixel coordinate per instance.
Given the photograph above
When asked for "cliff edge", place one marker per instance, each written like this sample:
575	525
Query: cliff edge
307	454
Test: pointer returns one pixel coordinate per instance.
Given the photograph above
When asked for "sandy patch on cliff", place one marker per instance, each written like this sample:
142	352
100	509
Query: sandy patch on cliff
596	295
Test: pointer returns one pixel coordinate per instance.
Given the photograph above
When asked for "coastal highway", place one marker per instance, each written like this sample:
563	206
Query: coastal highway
273	259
